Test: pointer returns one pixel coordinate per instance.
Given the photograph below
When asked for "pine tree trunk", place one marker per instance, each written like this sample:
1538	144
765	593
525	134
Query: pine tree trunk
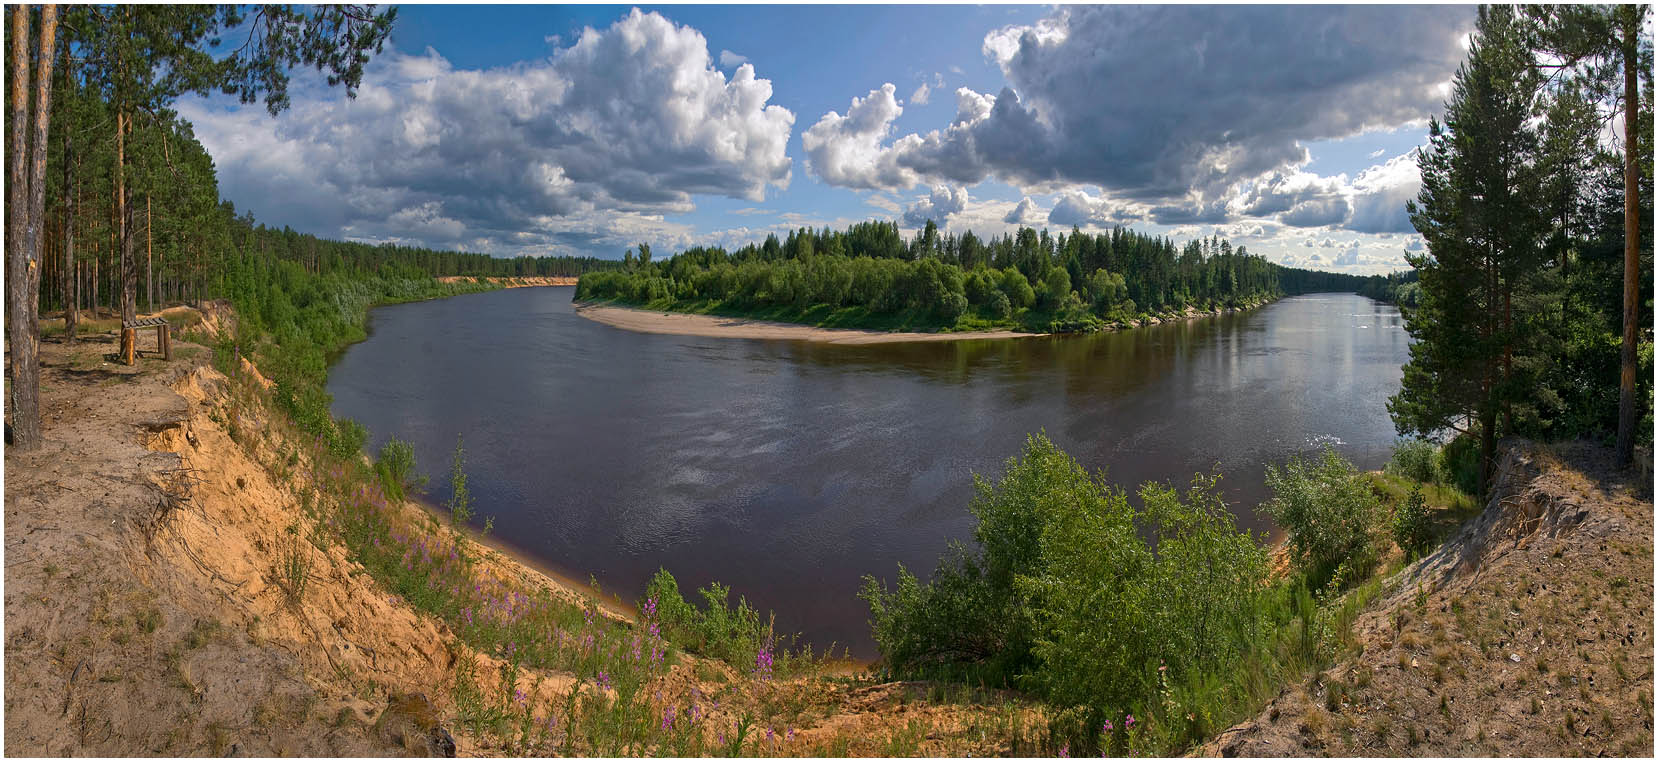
1625	445
1488	447
123	217
25	215
17	196
70	282
149	259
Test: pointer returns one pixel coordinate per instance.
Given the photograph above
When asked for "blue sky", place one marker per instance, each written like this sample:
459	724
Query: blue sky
586	129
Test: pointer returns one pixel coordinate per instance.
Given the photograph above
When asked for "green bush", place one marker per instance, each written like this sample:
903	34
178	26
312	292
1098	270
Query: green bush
1460	464
999	306
348	438
1329	512
1075	593
396	467
1416	459
1411	524
718	630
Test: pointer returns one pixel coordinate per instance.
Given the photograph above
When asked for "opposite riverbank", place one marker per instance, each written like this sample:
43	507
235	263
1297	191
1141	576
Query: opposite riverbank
514	282
690	324
733	327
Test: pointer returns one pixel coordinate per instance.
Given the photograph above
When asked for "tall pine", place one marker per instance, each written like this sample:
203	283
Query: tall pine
1478	214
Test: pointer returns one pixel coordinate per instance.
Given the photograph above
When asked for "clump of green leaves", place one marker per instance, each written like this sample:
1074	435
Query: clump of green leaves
734	634
396	467
460	498
293	564
1460	463
1416	459
1411	524
1328	510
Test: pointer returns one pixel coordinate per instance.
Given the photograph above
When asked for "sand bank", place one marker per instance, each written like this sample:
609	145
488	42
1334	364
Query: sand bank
686	324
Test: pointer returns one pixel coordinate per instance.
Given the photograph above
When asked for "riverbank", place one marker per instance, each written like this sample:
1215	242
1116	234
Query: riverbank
514	282
652	321
689	324
236	589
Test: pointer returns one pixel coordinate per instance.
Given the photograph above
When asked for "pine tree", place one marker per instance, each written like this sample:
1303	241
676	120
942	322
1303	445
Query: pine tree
1484	231
1599	49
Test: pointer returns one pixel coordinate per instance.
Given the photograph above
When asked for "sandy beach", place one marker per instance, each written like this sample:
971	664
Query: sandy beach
686	324
516	282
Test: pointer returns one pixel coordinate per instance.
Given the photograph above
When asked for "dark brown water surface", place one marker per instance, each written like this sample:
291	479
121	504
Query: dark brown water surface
788	470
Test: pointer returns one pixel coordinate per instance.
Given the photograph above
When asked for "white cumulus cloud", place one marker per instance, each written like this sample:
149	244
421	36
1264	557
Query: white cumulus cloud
624	125
943	202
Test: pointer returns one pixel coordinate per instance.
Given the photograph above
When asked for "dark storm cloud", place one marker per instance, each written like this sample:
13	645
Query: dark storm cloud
1157	104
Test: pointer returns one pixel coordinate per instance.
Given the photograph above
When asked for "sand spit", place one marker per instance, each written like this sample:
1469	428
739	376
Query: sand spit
686	324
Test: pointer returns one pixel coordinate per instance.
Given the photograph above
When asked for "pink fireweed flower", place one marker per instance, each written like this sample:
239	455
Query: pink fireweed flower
1106	728
1065	750
763	661
1128	720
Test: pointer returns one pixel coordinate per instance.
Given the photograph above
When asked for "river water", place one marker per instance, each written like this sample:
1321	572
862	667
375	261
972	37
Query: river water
788	470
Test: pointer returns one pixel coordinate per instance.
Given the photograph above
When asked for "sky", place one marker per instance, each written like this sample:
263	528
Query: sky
585	130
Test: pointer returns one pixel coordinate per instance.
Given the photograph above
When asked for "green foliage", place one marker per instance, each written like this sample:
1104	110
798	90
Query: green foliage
460	498
348	438
1459	461
293	564
735	635
1517	311
1078	595
867	277
396	467
1412	531
1416	459
1328	511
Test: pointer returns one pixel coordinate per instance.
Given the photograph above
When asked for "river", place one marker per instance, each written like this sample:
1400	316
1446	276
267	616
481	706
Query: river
788	470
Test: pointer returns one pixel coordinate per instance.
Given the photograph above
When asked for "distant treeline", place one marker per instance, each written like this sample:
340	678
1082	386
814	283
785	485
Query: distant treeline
869	274
1395	288
149	191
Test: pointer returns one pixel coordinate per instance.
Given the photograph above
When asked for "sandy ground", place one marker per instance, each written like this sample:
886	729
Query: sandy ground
142	610
517	282
1530	632
685	324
